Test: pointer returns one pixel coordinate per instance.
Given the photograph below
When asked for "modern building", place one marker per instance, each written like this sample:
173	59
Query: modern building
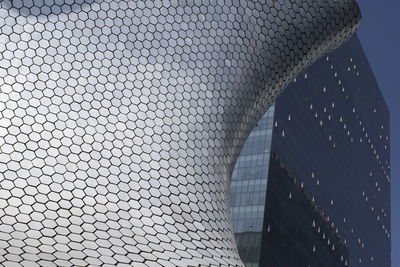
312	184
121	121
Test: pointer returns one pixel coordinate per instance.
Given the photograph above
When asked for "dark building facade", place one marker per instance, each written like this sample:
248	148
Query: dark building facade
312	184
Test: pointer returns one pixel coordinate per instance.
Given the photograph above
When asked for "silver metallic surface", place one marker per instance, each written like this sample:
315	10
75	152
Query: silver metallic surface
121	121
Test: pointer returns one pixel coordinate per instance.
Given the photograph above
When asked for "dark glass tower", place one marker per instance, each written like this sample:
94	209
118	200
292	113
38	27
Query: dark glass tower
318	194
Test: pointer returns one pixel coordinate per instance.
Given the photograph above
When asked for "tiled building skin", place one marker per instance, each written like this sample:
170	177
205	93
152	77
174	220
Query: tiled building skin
328	189
121	121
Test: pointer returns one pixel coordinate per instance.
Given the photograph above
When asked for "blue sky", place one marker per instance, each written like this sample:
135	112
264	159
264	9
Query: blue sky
380	36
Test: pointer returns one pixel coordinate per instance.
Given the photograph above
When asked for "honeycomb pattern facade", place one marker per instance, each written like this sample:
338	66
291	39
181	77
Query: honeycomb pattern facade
121	121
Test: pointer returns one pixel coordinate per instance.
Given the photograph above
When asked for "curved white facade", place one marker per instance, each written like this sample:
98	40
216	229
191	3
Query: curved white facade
121	121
